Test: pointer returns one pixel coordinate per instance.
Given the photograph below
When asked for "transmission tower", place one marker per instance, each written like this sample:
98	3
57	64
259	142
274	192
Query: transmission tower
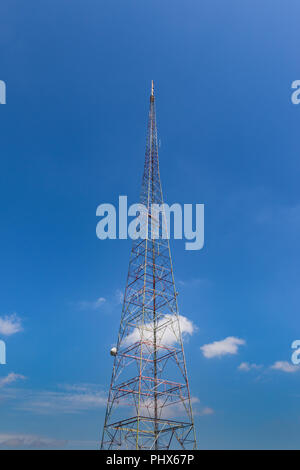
149	403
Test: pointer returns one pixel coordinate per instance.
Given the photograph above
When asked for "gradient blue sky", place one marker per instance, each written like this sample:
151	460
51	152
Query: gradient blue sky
73	136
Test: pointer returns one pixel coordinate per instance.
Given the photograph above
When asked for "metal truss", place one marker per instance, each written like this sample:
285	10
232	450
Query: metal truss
149	403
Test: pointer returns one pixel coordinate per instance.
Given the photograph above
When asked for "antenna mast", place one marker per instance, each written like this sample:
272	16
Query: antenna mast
149	403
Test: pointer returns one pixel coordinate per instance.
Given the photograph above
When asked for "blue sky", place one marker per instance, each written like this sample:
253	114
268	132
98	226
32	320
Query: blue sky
73	136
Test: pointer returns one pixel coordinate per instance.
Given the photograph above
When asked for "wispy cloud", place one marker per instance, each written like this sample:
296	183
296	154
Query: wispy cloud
70	399
10	324
29	441
205	411
281	214
247	366
200	410
91	304
194	282
104	304
224	347
10	378
285	366
119	296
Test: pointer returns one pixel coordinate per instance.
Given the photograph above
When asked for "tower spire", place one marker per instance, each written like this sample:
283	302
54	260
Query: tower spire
152	91
149	403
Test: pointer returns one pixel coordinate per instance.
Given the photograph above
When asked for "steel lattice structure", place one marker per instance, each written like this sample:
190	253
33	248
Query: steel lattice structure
149	403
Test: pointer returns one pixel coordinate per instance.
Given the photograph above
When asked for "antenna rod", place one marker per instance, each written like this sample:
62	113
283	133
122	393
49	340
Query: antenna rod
152	92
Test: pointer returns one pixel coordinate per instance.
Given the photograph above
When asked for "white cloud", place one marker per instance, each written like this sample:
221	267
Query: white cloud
106	305
29	441
228	345
167	335
285	366
206	411
72	399
194	282
119	296
10	324
246	366
91	305
10	378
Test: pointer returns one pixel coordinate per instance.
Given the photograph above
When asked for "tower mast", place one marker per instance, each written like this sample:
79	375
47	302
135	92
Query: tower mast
154	293
149	403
